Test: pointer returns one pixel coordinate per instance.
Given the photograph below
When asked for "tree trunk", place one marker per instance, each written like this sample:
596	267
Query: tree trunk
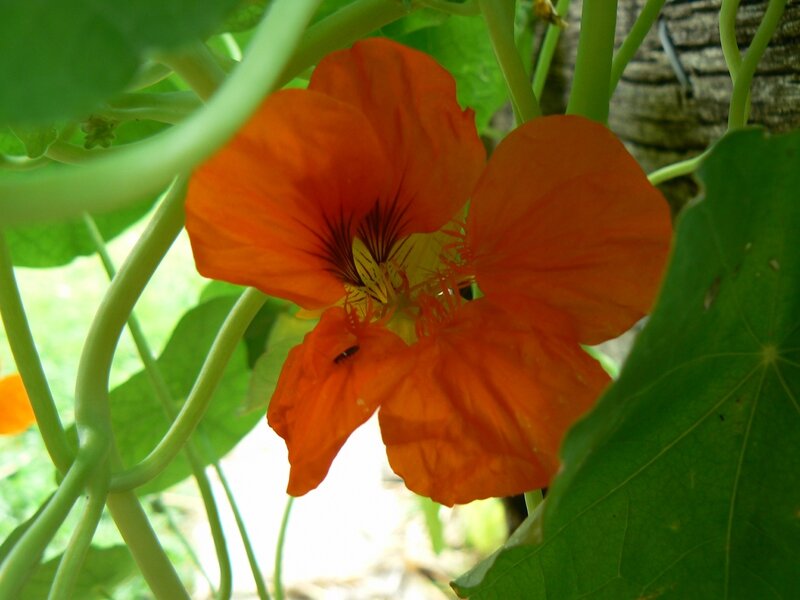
666	113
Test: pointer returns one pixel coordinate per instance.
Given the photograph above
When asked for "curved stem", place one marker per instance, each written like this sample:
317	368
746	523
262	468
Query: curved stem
170	107
340	29
165	397
499	16
70	154
678	169
23	558
232	46
150	73
278	576
29	365
590	85
75	553
22	163
215	525
465	9
548	49
644	22
91	387
55	192
193	410
92	413
727	36
737	113
258	577
196	65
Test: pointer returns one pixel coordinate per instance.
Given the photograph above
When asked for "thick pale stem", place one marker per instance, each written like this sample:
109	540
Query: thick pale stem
499	17
196	65
548	49
162	392
72	560
590	85
29	365
737	114
644	22
92	412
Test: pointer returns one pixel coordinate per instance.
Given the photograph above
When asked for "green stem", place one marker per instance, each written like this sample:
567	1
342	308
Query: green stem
214	524
590	86
532	500
75	553
70	154
678	169
165	397
464	9
232	46
20	563
29	365
171	107
278	577
193	410
499	16
22	163
727	36
137	533
150	73
196	65
54	192
157	506
94	368
644	22
258	577
341	29
737	113
92	413
548	50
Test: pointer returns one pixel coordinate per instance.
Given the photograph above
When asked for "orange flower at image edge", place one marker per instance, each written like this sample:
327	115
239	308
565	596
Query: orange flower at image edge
349	197
16	414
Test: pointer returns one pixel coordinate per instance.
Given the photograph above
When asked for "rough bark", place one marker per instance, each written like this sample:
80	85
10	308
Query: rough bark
661	120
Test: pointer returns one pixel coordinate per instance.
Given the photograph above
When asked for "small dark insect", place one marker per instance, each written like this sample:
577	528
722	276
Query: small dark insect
346	354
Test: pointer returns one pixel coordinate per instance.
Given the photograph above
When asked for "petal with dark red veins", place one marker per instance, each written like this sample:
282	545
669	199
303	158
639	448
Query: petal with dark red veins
277	207
432	144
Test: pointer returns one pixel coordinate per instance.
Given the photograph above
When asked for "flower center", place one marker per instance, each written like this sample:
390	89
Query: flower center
413	285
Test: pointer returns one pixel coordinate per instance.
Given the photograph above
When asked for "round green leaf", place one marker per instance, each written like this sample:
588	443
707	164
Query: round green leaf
61	59
684	482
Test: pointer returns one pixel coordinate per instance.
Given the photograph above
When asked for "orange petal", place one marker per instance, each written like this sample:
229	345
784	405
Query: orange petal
329	385
16	414
274	207
565	216
411	102
485	408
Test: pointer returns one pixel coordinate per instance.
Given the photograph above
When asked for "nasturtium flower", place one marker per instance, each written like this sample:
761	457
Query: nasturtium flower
350	199
16	414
